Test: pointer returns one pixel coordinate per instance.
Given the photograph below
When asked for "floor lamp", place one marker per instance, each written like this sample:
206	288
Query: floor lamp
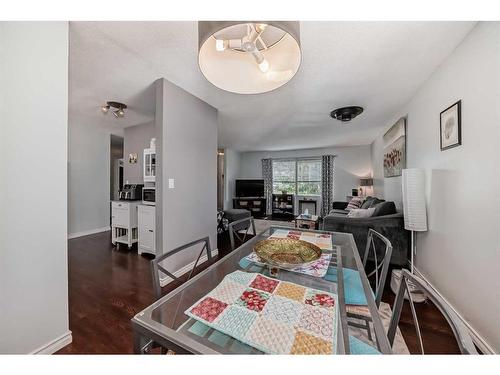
415	219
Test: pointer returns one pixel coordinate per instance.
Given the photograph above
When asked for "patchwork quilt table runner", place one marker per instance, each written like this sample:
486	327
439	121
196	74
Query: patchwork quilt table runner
273	316
322	240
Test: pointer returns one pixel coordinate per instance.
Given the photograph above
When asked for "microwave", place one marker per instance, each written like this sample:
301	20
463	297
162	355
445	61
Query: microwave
148	195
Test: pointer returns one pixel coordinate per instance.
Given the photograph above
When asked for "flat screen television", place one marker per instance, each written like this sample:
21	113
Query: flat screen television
249	188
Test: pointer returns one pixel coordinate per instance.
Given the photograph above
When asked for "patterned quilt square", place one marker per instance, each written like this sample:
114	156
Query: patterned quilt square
317	320
241	277
308	234
293	236
209	309
319	298
264	283
305	343
275	336
236	320
283	310
228	292
291	291
252	299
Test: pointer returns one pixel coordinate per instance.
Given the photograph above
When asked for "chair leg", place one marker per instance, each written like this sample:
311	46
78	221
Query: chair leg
369	329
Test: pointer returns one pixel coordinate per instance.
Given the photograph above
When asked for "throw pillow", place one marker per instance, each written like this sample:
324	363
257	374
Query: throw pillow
354	203
375	201
368	202
361	212
384	208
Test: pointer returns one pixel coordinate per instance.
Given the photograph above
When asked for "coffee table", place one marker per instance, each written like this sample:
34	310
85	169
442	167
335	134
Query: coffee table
307	222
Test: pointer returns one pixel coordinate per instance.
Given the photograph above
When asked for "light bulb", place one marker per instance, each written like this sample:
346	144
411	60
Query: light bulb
220	45
264	66
105	108
260	27
119	113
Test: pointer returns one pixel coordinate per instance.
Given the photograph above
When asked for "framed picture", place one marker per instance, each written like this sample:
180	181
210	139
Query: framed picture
132	158
450	125
395	149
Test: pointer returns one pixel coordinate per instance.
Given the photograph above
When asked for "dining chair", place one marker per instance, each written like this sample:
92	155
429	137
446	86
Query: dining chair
156	266
381	259
236	226
460	331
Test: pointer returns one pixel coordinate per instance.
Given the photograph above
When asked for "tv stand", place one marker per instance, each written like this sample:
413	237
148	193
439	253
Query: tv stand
256	205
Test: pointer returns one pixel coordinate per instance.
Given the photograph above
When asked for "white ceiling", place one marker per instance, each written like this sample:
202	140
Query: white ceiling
377	65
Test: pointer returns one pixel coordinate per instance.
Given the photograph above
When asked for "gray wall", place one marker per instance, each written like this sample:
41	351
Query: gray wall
187	128
351	163
459	253
88	175
135	140
33	140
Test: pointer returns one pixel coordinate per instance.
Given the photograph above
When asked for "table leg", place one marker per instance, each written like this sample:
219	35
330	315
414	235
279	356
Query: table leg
139	342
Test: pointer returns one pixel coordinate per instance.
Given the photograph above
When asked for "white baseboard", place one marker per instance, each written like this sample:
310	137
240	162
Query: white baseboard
55	344
87	232
188	267
476	337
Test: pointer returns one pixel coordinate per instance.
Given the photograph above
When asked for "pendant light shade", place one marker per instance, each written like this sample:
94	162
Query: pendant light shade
249	57
415	214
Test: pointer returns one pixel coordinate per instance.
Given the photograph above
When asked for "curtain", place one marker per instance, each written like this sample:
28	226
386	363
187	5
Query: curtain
326	184
267	175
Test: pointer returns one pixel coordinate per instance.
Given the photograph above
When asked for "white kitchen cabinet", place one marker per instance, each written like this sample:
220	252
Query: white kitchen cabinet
147	229
149	167
124	222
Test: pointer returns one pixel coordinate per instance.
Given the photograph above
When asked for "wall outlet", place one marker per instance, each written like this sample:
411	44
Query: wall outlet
171	183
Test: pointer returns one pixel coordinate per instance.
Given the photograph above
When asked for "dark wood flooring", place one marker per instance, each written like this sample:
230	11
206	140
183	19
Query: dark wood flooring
107	287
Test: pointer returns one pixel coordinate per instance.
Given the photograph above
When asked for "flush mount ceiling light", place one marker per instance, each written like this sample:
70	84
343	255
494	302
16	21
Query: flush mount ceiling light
346	114
249	57
118	113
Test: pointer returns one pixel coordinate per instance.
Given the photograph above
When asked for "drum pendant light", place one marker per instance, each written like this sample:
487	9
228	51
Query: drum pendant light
249	57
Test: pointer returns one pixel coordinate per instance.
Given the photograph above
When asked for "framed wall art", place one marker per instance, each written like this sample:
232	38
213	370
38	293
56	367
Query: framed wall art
450	126
395	149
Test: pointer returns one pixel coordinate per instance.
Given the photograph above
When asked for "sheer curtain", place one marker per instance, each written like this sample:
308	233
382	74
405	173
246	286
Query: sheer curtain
326	184
267	175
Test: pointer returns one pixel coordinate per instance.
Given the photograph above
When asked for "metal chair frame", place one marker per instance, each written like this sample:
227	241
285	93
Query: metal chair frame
460	331
380	271
156	267
233	232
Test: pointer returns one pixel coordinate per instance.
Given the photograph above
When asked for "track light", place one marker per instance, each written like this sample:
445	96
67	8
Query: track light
118	113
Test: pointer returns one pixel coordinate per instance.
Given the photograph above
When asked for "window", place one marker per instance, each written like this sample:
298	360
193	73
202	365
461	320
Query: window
309	177
300	176
284	176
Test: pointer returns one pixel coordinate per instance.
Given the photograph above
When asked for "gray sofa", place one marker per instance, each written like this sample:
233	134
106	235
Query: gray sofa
387	222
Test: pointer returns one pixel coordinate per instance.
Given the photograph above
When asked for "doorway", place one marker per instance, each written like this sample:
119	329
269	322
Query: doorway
116	168
220	179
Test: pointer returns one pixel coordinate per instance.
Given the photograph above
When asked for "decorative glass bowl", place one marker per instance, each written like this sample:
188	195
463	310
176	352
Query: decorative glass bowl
287	252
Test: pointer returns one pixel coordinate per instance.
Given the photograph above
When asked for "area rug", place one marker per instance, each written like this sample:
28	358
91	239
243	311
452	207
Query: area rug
385	312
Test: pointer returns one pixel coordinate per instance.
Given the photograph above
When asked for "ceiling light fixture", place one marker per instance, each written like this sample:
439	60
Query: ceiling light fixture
119	113
346	114
248	57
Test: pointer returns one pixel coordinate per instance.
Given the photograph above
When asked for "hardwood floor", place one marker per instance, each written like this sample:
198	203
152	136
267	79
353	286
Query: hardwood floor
107	287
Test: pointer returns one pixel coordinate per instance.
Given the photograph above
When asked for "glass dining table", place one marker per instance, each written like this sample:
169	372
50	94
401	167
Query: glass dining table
165	323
